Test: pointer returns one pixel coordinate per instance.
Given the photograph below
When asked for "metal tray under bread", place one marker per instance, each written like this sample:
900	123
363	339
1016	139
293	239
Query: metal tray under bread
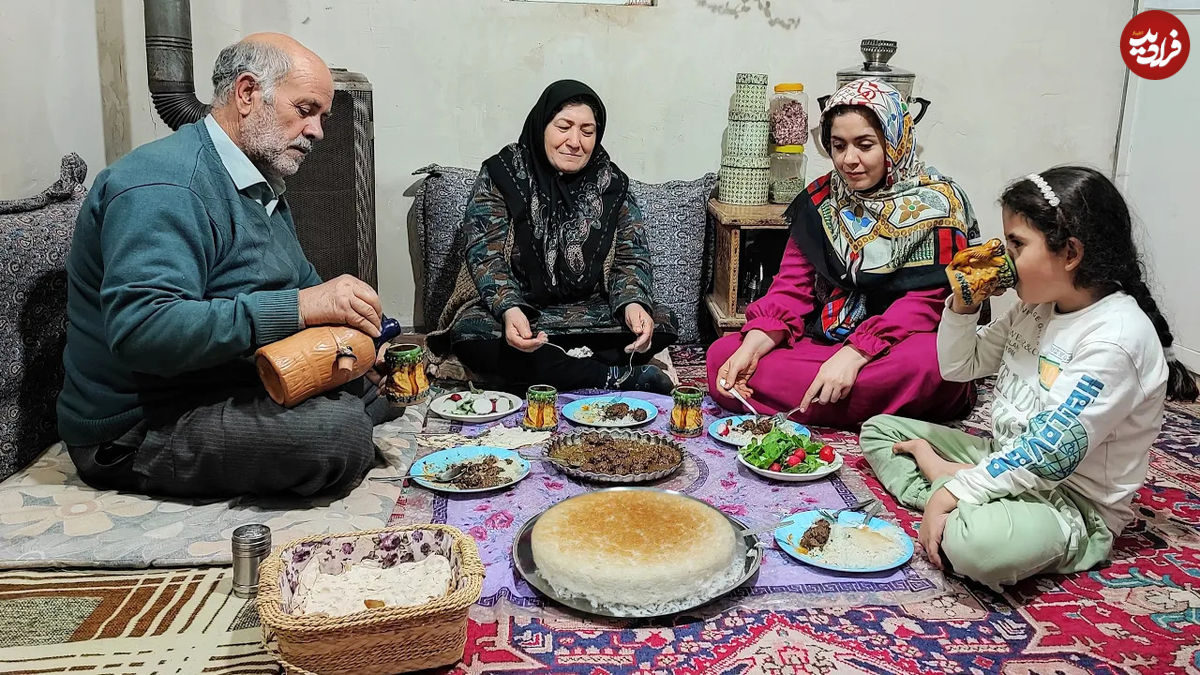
623	434
526	566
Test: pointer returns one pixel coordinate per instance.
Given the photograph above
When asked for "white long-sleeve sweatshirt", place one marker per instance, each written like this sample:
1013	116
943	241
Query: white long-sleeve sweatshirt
1079	400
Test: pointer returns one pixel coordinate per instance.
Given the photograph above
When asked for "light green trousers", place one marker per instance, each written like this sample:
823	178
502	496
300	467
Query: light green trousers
1002	541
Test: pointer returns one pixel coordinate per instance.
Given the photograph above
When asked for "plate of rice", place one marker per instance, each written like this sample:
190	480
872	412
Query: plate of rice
611	411
847	545
634	552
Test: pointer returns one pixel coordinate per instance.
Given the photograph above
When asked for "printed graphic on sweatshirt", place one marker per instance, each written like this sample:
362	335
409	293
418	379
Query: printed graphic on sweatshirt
1048	370
1017	400
1055	441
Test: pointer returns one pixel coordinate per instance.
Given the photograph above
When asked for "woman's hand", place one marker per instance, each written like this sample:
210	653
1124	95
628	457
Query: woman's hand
518	333
835	378
933	524
735	373
640	323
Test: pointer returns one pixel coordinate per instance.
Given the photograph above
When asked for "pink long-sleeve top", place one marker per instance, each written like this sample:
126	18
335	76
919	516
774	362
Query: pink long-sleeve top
791	298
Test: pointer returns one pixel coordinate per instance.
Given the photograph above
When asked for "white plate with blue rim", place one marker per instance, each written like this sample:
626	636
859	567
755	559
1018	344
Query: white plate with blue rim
895	540
727	430
594	411
512	467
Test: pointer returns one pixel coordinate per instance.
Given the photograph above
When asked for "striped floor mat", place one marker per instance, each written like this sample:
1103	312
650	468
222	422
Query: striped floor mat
133	623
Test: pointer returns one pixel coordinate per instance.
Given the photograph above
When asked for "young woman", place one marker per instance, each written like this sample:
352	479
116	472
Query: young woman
847	329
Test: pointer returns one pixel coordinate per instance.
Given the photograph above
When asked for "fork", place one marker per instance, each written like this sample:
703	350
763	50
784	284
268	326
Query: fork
768	528
781	417
833	516
869	513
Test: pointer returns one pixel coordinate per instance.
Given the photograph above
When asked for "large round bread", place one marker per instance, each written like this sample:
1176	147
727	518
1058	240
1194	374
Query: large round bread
632	547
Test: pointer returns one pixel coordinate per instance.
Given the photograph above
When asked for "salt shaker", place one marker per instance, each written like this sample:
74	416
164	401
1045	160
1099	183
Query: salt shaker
251	544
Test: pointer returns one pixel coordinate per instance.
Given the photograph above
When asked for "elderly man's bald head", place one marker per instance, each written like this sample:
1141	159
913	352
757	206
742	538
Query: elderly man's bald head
270	58
271	94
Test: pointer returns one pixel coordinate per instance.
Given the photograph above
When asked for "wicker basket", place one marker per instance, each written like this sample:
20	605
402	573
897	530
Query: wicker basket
374	641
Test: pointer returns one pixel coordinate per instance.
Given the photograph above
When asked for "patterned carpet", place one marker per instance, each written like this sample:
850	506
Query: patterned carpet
688	361
1139	614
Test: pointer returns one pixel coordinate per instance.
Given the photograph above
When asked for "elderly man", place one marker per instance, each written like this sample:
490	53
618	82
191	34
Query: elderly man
184	261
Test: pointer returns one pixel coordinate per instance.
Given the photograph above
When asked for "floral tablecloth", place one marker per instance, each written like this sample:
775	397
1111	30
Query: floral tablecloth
710	472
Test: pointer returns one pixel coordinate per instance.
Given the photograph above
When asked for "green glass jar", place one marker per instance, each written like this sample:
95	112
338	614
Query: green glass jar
405	383
541	409
687	416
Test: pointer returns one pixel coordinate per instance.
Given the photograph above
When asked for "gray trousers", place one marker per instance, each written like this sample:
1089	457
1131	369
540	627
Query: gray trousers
240	442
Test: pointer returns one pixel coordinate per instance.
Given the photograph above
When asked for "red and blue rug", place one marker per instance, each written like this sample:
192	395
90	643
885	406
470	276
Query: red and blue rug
1139	614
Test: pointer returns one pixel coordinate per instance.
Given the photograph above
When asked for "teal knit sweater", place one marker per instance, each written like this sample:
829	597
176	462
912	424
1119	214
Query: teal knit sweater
174	279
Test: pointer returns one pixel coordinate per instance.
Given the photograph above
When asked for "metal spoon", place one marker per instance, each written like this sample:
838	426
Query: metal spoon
444	477
547	458
560	348
734	393
617	396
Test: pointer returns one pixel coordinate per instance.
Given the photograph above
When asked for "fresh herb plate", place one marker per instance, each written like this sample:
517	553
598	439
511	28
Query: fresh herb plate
776	447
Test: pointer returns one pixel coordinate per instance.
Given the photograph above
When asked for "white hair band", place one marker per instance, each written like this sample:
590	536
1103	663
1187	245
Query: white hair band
1042	185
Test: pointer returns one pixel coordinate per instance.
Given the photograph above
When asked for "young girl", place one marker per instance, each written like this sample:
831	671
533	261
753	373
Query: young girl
1082	364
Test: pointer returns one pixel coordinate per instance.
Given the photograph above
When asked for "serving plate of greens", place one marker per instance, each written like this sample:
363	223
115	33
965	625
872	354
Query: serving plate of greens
785	456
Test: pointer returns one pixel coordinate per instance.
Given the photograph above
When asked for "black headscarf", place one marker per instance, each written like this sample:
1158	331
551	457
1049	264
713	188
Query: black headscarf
564	222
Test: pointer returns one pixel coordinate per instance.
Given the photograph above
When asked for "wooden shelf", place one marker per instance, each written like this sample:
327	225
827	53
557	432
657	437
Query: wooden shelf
722	322
765	217
731	221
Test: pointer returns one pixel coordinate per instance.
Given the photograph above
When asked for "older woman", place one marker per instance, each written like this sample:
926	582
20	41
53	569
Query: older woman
556	256
848	327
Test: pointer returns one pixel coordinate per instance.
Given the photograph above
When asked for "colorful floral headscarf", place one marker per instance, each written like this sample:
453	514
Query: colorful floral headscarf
896	238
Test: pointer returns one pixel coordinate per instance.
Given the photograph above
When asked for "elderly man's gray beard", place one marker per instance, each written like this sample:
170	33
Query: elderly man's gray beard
264	142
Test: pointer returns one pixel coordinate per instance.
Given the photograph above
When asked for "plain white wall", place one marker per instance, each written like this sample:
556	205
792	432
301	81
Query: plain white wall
49	76
1016	86
1157	171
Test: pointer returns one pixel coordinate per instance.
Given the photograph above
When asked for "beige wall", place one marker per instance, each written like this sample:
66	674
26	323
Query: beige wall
51	106
1016	86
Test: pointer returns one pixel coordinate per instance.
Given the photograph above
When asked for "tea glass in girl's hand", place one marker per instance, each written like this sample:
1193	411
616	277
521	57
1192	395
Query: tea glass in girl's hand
405	382
541	411
977	272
